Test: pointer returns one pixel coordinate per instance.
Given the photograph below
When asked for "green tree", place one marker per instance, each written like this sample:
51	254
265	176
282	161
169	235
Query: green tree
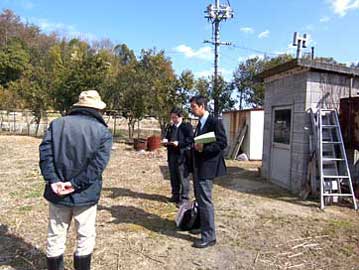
251	92
160	81
135	96
225	102
123	59
202	87
78	69
14	59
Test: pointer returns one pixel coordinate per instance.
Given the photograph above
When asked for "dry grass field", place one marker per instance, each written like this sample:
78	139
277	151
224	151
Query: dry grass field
259	226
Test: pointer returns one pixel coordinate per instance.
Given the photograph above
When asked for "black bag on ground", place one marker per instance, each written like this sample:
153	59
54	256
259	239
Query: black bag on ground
188	216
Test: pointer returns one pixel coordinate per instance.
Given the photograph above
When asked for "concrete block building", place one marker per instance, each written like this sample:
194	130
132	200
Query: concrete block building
291	89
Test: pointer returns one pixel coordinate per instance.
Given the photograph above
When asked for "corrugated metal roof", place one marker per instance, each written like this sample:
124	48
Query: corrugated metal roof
311	65
244	110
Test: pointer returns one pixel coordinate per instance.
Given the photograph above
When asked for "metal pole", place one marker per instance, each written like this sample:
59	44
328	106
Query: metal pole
14	121
313	53
299	49
216	43
216	13
114	124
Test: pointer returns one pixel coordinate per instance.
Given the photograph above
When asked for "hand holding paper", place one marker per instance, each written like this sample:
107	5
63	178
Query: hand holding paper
205	138
198	147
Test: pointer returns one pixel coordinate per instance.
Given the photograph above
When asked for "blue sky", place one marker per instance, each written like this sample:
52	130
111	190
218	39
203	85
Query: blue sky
179	27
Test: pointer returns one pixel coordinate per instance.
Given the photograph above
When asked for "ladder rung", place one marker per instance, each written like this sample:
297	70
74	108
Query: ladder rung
329	142
329	126
327	110
333	159
337	195
329	162
335	176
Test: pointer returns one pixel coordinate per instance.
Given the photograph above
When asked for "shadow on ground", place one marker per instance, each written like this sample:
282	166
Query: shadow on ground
249	181
16	253
125	192
152	222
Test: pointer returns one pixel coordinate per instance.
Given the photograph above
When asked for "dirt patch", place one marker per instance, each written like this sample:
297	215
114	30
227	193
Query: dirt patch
259	226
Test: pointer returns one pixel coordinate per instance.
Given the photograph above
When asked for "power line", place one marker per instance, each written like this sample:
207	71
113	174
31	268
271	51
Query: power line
254	50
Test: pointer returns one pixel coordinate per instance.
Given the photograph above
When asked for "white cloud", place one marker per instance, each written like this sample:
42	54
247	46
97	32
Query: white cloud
341	7
25	4
250	56
61	28
204	53
264	34
260	56
247	30
324	19
203	73
241	59
226	73
293	49
48	26
309	27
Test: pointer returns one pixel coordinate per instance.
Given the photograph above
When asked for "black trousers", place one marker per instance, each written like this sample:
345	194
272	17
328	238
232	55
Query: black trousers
203	194
179	177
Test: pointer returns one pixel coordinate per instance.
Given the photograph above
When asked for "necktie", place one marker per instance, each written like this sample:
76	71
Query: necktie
198	129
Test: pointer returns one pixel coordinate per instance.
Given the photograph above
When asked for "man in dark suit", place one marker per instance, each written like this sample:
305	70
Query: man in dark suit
178	140
209	163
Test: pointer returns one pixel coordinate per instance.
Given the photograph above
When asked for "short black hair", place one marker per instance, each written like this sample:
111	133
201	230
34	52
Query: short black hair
177	111
199	100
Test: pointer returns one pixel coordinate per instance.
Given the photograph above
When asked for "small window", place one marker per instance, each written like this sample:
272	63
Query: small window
282	123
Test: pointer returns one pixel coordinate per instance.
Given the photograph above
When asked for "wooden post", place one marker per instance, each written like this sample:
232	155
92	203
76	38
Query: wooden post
14	113
114	125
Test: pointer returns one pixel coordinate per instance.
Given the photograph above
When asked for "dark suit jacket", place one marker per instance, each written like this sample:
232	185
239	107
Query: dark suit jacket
210	163
184	137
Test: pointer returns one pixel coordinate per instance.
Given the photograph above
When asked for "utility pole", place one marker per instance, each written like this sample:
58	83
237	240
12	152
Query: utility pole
217	13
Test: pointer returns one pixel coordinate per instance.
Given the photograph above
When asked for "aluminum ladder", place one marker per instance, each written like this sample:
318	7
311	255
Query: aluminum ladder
335	179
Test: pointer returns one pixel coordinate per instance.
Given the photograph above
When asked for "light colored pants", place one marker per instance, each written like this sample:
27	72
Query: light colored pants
59	223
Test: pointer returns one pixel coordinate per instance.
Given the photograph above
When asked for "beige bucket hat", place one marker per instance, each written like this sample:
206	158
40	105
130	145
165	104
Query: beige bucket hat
92	99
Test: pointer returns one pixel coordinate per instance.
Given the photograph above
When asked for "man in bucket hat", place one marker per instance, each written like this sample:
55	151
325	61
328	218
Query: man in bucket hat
73	154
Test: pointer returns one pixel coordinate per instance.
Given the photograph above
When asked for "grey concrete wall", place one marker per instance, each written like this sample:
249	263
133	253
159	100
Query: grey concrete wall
309	89
326	89
287	91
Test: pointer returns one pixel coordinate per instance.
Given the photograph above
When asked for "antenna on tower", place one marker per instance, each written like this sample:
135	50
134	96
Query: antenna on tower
299	42
215	13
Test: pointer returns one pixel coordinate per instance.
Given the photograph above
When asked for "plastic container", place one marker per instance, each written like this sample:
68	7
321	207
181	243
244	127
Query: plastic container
153	143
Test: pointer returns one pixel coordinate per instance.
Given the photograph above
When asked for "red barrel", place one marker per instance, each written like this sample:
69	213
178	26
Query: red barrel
153	143
139	144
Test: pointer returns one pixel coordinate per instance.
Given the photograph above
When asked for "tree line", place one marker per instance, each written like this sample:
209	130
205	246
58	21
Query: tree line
42	72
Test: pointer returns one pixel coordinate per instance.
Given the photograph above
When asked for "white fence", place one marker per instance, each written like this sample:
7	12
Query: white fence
23	123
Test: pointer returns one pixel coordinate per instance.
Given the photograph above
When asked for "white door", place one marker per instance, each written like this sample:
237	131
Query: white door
281	145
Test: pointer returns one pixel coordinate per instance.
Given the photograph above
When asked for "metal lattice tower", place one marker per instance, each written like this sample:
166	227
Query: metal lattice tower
216	13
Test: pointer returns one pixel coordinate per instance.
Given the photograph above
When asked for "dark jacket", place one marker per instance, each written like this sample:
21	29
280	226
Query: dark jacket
184	135
210	163
76	148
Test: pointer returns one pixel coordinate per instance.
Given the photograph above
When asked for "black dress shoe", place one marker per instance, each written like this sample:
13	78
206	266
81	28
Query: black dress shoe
203	244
